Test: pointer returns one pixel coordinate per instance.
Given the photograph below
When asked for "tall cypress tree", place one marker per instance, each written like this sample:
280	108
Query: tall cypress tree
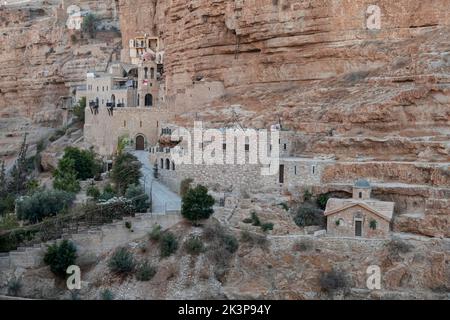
19	172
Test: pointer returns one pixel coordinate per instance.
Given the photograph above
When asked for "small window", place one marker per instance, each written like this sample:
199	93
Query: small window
285	147
124	123
247	147
360	195
224	146
295	170
314	169
140	124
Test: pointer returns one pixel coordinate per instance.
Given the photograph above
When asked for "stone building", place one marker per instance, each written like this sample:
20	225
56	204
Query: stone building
360	216
126	100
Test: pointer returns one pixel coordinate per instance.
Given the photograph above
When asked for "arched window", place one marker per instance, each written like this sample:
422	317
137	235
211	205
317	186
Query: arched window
148	100
167	164
152	73
173	166
138	100
162	164
145	73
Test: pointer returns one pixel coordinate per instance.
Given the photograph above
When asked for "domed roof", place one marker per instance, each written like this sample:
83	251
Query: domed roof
362	183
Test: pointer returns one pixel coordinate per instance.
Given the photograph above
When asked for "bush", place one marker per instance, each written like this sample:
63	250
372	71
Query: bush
308	216
373	224
7	204
43	204
230	243
85	164
122	261
107	194
197	204
267	226
93	192
89	25
128	225
79	108
168	244
106	295
65	177
126	171
156	233
194	246
255	219
333	281
284	206
140	199
322	201
60	256
14	286
145	272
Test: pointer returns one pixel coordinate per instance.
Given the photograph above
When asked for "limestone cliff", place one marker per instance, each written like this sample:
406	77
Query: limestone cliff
40	59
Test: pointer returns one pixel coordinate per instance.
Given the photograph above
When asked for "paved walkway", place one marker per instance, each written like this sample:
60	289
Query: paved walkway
163	199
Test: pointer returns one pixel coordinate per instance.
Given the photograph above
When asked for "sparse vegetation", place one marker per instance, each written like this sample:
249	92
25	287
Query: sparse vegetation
106	295
60	256
194	246
79	109
334	281
303	245
307	195
197	204
122	261
145	271
284	205
267	226
14	286
168	244
254	239
156	233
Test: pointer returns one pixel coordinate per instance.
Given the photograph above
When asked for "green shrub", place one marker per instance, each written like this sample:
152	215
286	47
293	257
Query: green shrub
267	226
194	245
255	219
65	176
106	295
108	193
145	272
43	204
373	224
156	233
60	256
7	204
14	286
322	201
90	24
122	261
308	216
79	109
197	204
168	244
230	243
93	192
128	225
140	199
126	171
85	164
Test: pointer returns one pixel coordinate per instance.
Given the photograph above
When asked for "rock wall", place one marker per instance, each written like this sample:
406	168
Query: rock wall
40	59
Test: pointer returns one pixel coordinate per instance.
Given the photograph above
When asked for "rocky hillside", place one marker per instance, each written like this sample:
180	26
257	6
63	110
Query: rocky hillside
40	59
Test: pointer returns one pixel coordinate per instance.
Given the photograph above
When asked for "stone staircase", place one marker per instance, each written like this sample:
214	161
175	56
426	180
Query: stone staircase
94	240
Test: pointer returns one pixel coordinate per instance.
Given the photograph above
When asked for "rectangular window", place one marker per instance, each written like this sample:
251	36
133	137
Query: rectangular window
295	170
247	147
124	123
285	147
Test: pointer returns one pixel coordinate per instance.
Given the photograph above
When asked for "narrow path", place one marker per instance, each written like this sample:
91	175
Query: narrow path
163	199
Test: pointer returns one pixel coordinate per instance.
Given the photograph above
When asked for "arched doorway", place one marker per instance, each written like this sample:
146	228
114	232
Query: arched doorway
148	100
140	142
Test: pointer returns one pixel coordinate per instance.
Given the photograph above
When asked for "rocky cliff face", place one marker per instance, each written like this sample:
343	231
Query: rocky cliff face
40	59
381	93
